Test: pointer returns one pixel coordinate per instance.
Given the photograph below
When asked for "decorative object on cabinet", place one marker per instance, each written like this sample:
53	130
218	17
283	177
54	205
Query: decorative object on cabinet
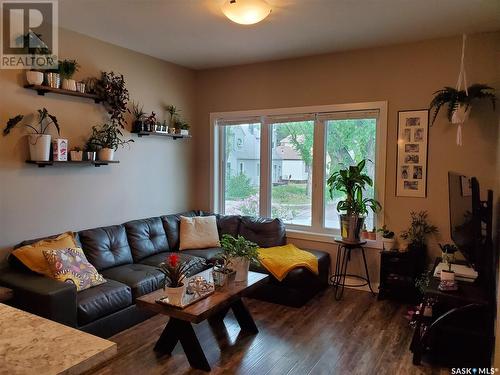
67	69
416	235
39	141
411	169
388	239
106	139
352	182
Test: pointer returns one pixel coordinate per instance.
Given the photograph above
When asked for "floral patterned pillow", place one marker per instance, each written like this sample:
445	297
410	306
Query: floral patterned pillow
71	266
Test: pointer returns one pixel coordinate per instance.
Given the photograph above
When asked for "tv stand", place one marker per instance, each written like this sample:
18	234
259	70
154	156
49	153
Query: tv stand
460	332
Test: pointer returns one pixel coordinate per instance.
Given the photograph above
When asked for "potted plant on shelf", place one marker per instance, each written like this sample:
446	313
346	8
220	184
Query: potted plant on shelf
241	252
150	122
76	154
181	127
67	69
388	239
90	150
138	114
416	235
175	271
222	272
114	95
39	140
460	101
105	139
352	181
173	113
34	77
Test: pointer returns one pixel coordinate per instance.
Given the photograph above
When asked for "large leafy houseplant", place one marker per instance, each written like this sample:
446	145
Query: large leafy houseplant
416	235
115	96
241	252
456	98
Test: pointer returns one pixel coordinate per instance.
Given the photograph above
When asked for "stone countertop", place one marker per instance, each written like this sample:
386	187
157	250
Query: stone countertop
30	344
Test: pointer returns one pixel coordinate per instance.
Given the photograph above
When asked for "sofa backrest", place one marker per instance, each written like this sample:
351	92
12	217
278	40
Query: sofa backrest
146	237
171	224
264	232
106	247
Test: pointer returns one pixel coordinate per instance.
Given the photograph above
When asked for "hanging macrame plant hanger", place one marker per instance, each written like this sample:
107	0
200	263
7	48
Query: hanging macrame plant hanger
461	113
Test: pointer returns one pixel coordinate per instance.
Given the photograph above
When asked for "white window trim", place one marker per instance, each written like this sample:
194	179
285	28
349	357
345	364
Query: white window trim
217	166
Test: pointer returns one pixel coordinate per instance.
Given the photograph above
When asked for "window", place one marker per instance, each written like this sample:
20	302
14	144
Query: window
285	156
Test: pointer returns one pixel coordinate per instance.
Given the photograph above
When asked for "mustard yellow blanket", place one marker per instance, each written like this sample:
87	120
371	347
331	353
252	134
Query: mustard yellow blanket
280	260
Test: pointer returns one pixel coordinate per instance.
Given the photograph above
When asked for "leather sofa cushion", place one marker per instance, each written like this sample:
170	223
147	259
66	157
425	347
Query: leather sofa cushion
301	277
229	224
146	237
102	300
156	259
209	254
106	247
171	224
263	231
140	278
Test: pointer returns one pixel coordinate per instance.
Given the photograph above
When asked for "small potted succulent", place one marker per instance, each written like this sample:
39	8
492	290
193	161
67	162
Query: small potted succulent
241	252
222	272
138	114
175	271
67	69
106	138
388	239
76	154
39	141
90	150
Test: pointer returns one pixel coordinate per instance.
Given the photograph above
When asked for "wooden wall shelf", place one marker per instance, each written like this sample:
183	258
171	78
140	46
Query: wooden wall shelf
95	163
42	90
174	136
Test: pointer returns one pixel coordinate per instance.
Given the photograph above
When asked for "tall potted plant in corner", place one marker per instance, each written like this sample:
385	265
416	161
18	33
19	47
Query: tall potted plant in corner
352	210
106	138
67	69
39	140
242	252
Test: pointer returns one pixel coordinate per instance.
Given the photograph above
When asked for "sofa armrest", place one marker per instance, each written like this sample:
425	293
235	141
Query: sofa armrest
42	296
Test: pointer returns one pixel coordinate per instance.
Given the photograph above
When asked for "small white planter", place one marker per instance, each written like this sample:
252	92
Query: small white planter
388	243
34	78
175	295
241	266
76	155
39	147
460	115
106	154
184	132
69	84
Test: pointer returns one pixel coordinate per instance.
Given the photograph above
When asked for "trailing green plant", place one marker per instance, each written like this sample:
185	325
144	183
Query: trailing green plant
68	68
422	282
45	119
138	111
106	136
419	230
235	247
115	96
454	98
352	182
386	233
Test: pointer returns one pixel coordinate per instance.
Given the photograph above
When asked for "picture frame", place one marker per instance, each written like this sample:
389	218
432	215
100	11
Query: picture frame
411	160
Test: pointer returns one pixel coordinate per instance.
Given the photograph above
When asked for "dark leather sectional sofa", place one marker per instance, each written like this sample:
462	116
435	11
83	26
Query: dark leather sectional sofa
127	256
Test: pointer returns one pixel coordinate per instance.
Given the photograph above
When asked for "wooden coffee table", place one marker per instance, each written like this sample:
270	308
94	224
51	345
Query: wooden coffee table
212	308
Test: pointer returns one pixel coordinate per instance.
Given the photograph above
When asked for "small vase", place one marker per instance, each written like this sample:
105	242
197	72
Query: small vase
175	295
106	154
184	132
90	155
34	77
53	80
39	147
241	266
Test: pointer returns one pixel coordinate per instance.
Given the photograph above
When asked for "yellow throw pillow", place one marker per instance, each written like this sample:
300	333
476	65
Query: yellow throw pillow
198	232
32	255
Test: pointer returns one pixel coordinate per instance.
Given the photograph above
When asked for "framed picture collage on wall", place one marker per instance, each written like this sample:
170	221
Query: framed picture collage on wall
413	129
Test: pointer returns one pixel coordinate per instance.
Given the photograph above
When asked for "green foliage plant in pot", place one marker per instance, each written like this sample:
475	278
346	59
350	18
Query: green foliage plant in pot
38	139
354	208
138	115
241	252
418	232
106	139
223	271
114	94
388	238
67	69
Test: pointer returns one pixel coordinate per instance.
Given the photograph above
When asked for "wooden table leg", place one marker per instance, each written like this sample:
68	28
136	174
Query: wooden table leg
180	330
244	317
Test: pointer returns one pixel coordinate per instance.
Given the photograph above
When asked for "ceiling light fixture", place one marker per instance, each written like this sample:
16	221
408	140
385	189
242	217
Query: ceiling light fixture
246	12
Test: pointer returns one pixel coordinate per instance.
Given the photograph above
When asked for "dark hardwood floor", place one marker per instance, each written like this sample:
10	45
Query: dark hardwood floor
358	335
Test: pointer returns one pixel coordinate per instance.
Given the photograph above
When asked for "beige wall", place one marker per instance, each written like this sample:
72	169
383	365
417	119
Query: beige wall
153	177
404	75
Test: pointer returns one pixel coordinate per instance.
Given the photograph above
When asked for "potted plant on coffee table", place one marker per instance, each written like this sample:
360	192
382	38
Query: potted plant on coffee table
67	69
223	272
388	239
175	271
241	252
106	138
416	235
353	209
38	139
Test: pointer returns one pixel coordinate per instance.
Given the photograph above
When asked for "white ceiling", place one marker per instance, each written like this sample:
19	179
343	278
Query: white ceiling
195	33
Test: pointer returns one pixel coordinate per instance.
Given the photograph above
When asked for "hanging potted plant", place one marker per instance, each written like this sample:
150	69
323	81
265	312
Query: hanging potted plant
241	252
114	95
67	69
416	235
175	271
39	140
352	210
388	239
106	138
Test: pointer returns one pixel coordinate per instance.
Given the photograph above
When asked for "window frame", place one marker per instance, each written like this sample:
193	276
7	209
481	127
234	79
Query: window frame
317	230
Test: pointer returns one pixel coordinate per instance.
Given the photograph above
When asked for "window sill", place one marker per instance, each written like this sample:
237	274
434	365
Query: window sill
326	238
